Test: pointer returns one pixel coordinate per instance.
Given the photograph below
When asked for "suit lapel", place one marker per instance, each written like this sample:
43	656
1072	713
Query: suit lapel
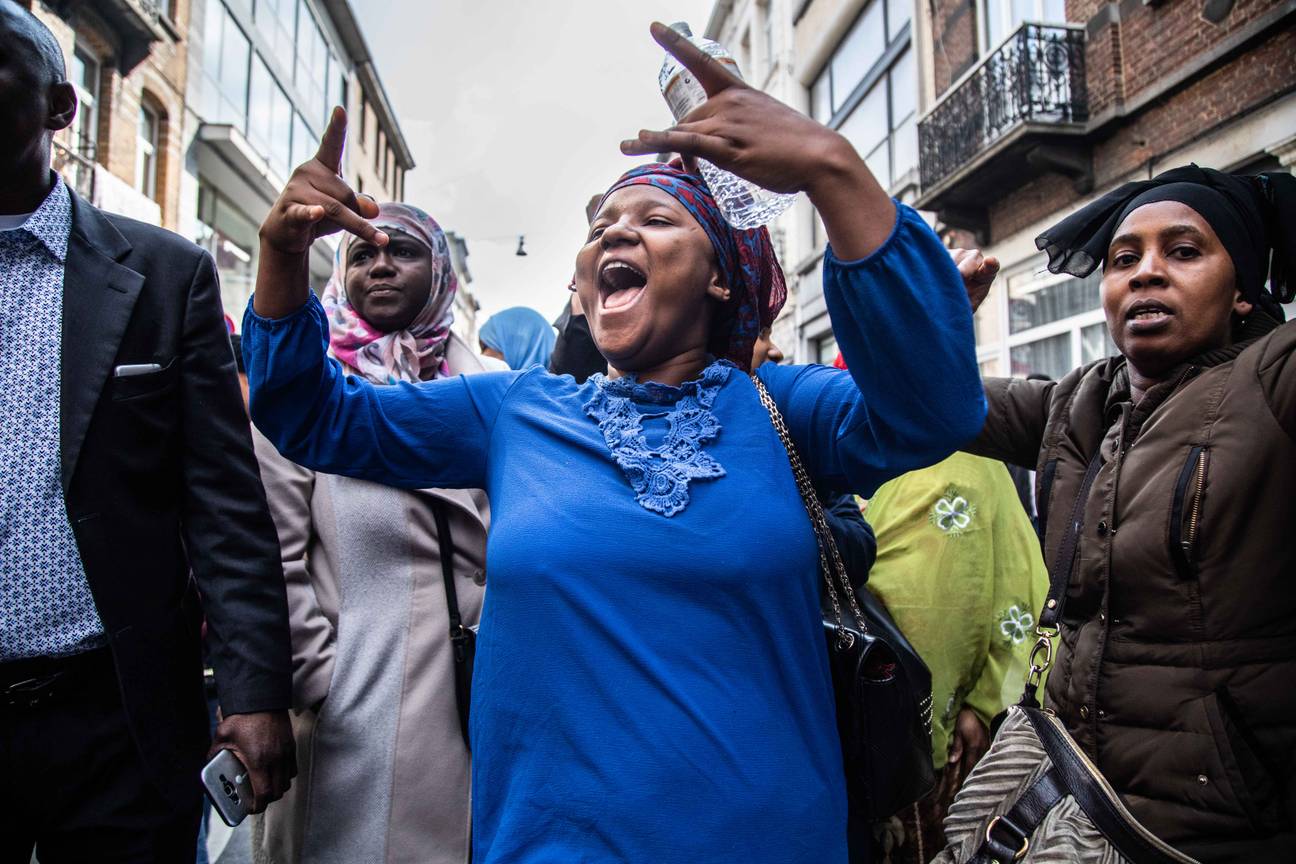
98	296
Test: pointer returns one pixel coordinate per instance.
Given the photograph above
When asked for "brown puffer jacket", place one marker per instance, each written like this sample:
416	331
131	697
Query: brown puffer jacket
1177	671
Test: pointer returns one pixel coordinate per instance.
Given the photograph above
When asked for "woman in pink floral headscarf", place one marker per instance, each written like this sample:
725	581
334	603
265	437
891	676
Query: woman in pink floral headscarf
382	761
387	329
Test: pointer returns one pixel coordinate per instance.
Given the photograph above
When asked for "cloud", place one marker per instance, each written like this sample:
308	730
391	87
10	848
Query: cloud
514	112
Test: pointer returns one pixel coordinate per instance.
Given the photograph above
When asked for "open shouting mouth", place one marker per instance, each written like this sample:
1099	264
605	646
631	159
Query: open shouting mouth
621	284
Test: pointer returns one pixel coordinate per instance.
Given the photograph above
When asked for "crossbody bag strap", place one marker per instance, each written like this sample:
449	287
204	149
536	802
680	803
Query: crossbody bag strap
446	543
459	634
1041	656
1097	799
830	561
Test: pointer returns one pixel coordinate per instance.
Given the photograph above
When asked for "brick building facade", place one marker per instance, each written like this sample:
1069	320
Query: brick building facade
1019	132
128	60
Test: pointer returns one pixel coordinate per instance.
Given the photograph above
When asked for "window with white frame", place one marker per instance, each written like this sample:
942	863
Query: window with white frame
1000	18
1042	323
146	152
868	90
84	75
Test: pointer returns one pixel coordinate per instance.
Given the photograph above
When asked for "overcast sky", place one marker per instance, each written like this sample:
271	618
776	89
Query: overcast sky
514	111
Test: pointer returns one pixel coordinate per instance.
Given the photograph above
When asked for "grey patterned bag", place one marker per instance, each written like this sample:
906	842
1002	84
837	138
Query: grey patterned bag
1036	798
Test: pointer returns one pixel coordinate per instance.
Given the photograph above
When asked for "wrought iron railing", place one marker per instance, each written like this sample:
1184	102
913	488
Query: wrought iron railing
77	167
1036	76
151	9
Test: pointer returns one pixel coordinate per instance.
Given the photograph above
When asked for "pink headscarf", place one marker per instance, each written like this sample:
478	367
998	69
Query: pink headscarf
416	353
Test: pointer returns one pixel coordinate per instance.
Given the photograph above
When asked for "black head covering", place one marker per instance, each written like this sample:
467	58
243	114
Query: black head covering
1253	215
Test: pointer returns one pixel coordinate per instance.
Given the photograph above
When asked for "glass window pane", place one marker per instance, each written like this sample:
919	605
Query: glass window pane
857	53
303	142
146	141
996	26
277	19
898	13
986	319
84	75
867	124
1023	10
1096	343
879	162
270	119
312	65
826	349
1051	357
1054	302
904	145
820	102
212	38
336	84
1054	11
235	53
904	88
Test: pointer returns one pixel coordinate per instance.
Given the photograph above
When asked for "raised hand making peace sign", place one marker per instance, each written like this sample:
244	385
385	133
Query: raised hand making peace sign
753	135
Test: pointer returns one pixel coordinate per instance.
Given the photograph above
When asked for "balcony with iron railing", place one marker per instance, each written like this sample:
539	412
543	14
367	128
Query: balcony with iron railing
139	23
1020	112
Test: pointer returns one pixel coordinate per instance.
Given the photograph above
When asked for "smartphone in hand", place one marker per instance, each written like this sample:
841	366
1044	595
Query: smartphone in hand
228	786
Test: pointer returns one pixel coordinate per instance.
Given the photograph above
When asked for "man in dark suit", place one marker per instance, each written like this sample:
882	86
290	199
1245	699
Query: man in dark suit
125	466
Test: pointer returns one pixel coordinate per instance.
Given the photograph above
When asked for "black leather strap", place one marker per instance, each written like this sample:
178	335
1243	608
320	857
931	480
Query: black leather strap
458	633
1060	574
1007	838
1093	799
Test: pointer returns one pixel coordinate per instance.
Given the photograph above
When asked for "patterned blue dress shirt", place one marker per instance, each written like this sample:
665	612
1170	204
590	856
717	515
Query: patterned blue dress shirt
45	603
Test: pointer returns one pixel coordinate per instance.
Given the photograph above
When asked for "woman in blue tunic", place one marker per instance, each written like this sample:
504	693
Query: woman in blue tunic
651	679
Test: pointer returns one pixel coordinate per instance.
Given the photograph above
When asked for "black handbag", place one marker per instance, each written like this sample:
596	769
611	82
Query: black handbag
882	688
463	640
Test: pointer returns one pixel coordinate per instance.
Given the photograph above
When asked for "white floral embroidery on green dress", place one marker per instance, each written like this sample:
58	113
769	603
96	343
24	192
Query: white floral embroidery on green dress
1016	624
953	513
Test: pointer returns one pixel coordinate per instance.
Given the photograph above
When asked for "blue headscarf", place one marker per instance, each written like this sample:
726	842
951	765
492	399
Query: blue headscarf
522	335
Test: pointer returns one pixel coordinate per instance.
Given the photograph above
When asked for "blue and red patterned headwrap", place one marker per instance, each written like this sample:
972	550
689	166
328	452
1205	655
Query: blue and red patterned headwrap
748	265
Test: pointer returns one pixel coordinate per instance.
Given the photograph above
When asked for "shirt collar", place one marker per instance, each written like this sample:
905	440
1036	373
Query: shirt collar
51	224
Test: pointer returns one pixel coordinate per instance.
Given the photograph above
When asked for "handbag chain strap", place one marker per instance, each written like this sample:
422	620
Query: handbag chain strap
823	535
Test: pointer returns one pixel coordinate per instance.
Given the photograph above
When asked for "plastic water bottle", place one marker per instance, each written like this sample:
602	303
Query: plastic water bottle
744	204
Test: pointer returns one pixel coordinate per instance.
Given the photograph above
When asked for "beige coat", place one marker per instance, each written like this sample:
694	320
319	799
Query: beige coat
383	774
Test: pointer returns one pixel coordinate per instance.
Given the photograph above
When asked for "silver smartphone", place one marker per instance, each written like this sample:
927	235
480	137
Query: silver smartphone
228	786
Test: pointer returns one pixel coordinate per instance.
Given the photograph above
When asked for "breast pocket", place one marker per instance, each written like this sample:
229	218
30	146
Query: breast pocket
149	385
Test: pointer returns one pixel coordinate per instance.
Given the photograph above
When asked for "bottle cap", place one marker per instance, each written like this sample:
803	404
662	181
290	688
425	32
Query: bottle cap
682	28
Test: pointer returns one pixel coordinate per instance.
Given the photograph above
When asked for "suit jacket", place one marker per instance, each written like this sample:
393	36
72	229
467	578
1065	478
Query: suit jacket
161	482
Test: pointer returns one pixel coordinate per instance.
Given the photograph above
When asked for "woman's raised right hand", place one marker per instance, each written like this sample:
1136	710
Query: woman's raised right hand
316	201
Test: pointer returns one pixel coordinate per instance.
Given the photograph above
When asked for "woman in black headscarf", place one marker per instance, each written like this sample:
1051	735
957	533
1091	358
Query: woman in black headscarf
1178	637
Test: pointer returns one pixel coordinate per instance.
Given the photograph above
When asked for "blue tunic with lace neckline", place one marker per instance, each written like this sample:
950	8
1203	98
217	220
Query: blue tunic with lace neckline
653	688
660	475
